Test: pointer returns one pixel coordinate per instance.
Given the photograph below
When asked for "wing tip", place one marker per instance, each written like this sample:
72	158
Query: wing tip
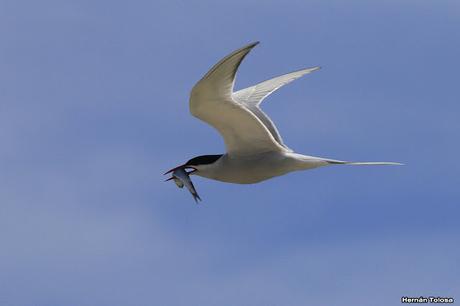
248	46
310	69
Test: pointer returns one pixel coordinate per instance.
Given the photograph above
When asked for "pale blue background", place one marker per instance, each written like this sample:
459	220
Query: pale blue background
94	108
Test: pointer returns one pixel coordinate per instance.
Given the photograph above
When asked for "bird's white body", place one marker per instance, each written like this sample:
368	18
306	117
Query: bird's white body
255	149
255	168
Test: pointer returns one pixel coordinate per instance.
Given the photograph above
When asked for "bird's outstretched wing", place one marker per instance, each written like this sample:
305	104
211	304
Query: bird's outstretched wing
211	100
251	97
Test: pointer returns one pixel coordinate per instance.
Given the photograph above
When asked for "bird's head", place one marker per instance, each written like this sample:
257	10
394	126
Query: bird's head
198	163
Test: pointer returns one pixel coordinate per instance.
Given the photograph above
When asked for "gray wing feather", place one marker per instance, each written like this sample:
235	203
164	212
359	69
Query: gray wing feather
251	97
254	95
211	100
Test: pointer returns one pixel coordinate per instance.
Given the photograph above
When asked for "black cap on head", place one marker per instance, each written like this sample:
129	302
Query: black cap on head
203	160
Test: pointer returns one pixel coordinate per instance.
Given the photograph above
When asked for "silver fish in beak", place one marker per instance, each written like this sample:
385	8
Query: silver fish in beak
182	178
178	182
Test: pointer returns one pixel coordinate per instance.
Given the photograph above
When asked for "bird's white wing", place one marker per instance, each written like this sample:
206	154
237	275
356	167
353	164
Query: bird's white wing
211	100
251	97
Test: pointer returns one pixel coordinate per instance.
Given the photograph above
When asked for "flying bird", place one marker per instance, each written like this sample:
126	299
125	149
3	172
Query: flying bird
255	149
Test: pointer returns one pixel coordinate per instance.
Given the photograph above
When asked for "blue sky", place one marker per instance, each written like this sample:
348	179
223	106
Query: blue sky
94	108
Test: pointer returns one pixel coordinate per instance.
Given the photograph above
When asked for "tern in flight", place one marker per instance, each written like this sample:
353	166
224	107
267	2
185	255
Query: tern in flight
255	149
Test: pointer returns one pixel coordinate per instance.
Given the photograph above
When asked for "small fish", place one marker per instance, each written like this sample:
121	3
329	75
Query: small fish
178	182
181	178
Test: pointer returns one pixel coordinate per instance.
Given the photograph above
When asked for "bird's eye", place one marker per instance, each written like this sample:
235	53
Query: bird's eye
193	169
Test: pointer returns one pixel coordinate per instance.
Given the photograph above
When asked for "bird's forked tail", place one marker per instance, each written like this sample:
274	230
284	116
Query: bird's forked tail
339	162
